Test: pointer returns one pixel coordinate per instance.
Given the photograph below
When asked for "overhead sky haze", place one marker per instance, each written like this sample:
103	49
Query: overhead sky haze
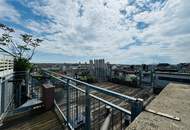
120	31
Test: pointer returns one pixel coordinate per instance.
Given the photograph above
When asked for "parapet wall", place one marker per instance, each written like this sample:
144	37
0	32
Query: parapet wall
173	101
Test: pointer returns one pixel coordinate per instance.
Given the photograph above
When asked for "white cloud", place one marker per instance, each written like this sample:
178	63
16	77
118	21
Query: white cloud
102	31
8	12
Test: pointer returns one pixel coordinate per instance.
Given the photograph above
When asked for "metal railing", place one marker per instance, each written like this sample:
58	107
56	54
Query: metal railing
86	106
12	94
6	95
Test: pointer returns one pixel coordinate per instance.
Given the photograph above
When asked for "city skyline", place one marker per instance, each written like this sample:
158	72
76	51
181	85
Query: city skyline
123	32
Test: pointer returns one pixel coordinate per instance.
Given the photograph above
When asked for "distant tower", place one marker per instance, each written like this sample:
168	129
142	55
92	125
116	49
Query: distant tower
100	70
91	67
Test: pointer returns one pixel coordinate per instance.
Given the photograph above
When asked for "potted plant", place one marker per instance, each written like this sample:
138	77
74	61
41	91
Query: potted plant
22	47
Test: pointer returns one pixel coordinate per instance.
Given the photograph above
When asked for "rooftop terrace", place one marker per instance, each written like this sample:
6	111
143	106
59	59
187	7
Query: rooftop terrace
98	106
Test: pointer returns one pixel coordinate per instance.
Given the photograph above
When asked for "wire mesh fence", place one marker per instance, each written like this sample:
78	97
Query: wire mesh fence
83	107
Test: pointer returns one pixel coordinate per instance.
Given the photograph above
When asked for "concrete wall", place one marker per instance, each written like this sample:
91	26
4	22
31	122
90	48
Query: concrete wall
163	79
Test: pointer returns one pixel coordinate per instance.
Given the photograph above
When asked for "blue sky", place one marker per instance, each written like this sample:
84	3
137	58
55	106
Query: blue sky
121	31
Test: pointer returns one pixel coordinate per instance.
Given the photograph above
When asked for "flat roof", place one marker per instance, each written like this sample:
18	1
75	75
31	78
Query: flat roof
174	100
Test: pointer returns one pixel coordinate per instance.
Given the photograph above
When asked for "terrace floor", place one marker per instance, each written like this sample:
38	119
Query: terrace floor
143	93
38	121
174	100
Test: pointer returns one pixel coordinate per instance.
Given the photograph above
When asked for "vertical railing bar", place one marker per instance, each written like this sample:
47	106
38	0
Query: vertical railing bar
74	104
112	118
68	101
65	100
94	107
91	110
81	106
121	120
95	110
76	107
77	98
87	108
99	116
71	104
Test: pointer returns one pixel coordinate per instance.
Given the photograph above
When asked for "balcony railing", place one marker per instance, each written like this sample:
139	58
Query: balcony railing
16	88
86	106
6	95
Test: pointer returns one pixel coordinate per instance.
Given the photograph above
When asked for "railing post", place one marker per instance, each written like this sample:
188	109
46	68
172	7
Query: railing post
68	101
136	108
87	109
127	120
77	96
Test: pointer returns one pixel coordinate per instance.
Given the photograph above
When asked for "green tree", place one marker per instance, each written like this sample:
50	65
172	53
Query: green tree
22	47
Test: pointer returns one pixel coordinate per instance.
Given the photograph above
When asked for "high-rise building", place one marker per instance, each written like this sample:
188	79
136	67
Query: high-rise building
99	69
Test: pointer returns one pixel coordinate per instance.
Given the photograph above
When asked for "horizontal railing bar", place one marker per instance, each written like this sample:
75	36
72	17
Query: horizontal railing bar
108	92
104	101
6	78
112	105
98	98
